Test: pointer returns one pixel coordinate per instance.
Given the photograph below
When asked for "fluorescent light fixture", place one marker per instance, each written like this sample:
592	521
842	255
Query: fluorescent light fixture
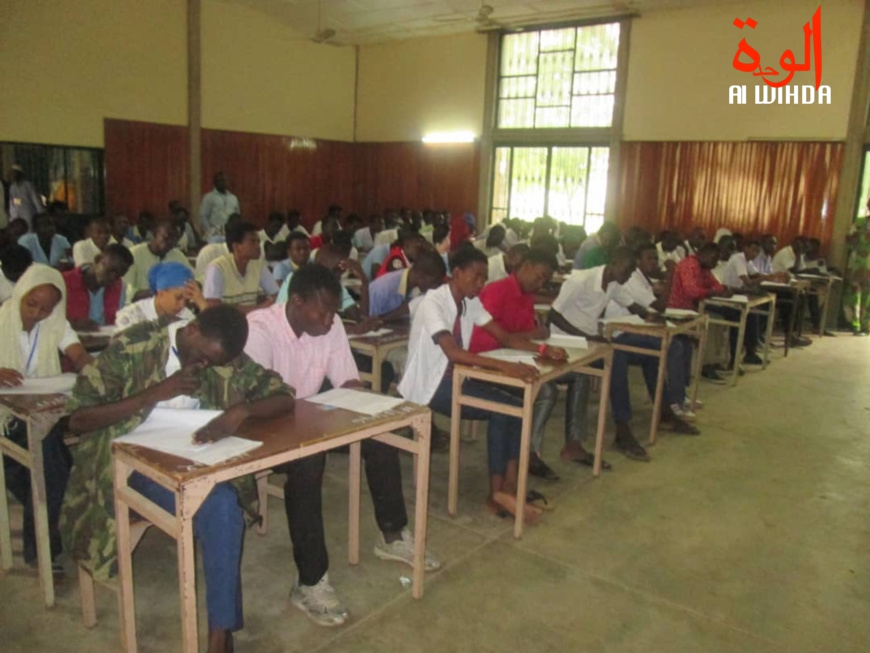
449	137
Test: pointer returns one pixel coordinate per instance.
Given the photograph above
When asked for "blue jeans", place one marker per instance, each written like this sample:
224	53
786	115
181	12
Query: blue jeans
503	432
220	527
675	389
575	409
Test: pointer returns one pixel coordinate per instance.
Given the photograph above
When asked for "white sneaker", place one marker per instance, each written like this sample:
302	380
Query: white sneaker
319	602
682	413
403	551
687	404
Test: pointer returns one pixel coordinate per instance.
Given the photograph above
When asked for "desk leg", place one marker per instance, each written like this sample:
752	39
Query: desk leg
37	429
771	318
422	426
354	478
531	391
738	350
660	387
699	362
187	502
126	601
5	527
823	324
602	413
455	419
376	371
790	327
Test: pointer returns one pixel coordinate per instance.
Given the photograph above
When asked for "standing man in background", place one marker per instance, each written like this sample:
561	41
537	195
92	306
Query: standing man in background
216	207
24	201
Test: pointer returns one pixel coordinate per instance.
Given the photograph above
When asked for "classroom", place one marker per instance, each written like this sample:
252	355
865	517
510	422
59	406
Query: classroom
552	308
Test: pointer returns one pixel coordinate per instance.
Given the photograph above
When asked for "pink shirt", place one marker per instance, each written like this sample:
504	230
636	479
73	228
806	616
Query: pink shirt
303	362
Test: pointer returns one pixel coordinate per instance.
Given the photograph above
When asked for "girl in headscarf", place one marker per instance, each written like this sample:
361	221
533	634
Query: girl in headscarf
33	333
173	287
460	230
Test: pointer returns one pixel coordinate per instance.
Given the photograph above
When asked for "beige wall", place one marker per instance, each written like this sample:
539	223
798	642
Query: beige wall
64	66
680	69
260	76
413	87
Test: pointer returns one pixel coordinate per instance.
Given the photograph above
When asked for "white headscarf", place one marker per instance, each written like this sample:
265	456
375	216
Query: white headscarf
51	329
721	234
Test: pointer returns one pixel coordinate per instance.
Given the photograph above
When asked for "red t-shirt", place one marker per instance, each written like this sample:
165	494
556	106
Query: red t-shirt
395	260
315	242
511	309
691	283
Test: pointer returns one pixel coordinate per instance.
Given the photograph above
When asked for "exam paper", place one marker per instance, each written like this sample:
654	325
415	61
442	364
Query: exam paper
171	430
511	356
371	334
356	401
625	319
680	313
45	385
739	299
565	342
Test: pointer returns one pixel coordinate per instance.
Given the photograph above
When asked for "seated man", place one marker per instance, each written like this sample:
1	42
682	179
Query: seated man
693	281
239	277
403	253
45	244
305	342
441	333
502	265
390	295
95	292
582	301
148	254
441	241
595	250
99	236
199	364
298	254
511	303
118	227
273	237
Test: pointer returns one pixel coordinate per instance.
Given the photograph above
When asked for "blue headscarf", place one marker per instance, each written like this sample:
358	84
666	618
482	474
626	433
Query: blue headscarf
168	275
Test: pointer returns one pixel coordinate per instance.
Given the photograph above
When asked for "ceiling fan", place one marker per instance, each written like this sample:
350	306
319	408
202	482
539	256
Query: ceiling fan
483	18
324	35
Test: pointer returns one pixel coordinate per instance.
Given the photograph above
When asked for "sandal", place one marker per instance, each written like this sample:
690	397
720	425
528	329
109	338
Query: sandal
535	498
590	462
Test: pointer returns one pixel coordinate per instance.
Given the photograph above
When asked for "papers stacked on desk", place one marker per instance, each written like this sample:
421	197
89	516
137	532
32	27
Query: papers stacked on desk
171	430
511	356
565	342
371	334
45	385
681	313
356	401
738	299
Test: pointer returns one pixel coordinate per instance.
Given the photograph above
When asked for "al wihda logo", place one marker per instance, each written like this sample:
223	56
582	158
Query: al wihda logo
776	88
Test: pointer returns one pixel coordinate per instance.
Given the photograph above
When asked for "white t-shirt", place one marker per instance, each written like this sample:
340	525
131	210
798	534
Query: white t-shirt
735	268
206	255
144	311
173	364
677	255
784	260
427	362
719	270
582	301
27	342
497	270
85	251
637	290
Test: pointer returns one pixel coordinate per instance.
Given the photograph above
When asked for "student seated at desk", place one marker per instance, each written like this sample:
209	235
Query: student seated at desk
239	277
14	261
441	332
146	255
34	332
693	281
46	245
403	253
118	227
503	264
99	237
273	238
298	254
173	288
582	302
95	292
441	241
511	303
198	364
305	342
390	295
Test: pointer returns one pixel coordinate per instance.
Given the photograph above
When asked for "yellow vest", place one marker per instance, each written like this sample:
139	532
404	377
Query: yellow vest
239	289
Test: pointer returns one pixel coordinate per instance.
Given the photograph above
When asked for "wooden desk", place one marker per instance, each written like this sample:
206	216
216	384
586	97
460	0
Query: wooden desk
821	286
666	331
751	306
40	412
310	430
580	360
795	290
378	347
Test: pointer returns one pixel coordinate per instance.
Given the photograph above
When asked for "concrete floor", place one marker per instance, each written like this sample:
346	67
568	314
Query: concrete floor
753	537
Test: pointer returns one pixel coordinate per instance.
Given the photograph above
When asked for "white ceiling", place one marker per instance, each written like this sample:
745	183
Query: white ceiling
372	21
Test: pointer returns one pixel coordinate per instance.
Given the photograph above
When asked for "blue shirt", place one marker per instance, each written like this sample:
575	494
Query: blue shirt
377	256
284	294
388	292
59	248
283	270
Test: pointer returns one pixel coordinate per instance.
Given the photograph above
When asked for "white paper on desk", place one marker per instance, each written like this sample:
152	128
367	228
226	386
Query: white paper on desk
565	342
171	430
371	334
819	277
512	356
774	284
44	385
356	401
737	299
108	330
680	313
625	319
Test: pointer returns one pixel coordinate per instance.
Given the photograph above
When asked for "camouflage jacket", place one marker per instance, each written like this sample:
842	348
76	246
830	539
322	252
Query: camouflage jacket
135	360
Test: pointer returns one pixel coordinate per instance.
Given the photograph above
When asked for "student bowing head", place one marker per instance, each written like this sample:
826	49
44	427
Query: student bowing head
470	269
428	271
622	265
536	270
314	299
215	338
